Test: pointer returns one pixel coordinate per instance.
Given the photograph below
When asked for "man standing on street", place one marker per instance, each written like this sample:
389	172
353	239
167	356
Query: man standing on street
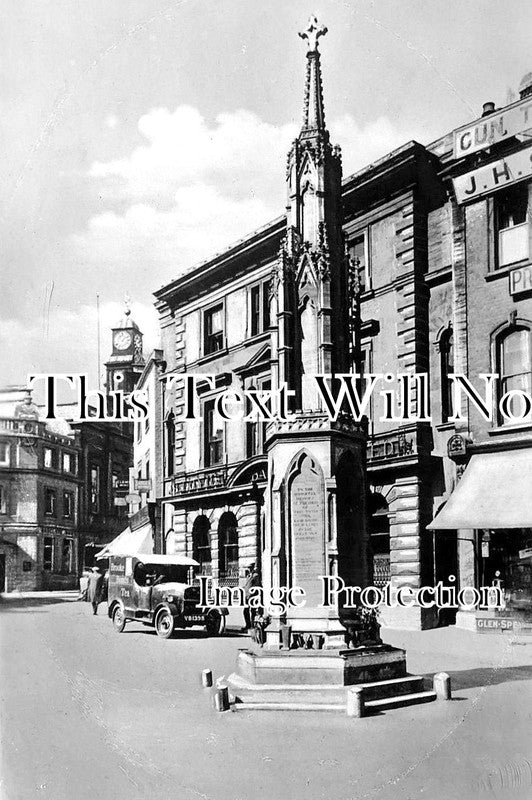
95	588
252	579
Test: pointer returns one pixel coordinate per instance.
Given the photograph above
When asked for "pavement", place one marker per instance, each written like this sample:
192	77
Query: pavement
88	713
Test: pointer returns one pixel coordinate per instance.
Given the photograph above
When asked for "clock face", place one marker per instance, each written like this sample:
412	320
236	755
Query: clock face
122	340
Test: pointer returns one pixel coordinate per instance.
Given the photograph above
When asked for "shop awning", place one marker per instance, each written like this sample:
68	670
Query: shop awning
495	491
129	543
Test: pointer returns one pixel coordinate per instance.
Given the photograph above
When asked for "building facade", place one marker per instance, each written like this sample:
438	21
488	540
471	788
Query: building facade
39	498
145	482
437	244
106	456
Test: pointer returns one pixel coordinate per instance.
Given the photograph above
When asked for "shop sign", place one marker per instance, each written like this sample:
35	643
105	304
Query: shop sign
120	501
521	280
526	553
133	498
143	484
493	128
487	624
491	177
485	549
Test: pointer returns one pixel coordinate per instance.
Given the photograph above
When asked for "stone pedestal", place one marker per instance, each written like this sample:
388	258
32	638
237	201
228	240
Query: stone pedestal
315	519
314	677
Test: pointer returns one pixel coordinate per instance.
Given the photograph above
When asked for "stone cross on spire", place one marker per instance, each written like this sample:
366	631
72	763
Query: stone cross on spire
312	33
313	113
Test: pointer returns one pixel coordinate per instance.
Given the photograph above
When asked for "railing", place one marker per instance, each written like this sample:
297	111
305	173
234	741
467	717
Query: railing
26	427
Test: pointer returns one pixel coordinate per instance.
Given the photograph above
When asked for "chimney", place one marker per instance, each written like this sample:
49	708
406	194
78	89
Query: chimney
525	87
488	108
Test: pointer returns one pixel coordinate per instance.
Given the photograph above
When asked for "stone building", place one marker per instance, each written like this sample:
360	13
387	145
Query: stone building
106	456
437	241
145	483
39	497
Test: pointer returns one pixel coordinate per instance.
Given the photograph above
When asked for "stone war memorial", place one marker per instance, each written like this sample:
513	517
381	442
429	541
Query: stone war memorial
316	497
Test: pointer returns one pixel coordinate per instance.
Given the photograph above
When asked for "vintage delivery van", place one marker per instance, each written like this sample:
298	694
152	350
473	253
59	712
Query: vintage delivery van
159	590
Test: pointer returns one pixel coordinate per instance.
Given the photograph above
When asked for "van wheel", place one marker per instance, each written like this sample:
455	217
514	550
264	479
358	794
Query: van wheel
119	619
214	623
164	624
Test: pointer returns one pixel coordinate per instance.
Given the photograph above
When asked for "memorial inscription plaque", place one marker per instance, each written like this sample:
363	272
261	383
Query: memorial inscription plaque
307	503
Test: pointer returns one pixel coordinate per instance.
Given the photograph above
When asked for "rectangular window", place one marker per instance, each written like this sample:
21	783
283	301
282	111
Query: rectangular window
256	428
214	329
512	225
259	308
48	554
69	463
68	504
67	553
358	250
95	490
4	454
214	435
254	303
50	502
50	458
3	500
147	417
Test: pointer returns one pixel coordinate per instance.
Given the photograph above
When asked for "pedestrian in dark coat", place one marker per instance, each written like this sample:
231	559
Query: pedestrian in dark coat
252	579
96	588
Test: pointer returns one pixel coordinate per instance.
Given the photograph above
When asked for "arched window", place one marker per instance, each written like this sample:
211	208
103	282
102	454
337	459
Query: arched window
309	215
170	444
228	549
446	369
514	357
201	544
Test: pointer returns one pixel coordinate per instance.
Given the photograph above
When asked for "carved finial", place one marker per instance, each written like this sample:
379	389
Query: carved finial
312	33
127	304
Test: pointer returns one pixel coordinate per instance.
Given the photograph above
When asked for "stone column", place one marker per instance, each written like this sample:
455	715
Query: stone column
407	551
467	573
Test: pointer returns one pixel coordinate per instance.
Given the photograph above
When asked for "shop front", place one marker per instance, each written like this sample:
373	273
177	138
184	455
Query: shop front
491	512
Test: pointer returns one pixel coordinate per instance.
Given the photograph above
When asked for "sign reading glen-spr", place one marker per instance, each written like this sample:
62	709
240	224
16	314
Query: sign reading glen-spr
496	175
493	128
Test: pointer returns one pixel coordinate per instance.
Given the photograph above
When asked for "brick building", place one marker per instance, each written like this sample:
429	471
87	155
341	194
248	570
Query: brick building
443	285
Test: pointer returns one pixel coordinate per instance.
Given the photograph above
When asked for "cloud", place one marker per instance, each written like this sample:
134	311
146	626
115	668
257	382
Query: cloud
145	246
194	188
240	154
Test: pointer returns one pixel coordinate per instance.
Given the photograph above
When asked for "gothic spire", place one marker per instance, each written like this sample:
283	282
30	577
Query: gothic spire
313	112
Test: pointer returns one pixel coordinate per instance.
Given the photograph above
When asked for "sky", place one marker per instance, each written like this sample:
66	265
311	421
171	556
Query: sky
141	136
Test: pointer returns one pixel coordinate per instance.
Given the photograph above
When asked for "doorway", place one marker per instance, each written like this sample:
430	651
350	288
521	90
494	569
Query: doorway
2	572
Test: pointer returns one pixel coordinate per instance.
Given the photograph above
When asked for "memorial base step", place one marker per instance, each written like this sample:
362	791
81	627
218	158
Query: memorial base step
245	691
324	703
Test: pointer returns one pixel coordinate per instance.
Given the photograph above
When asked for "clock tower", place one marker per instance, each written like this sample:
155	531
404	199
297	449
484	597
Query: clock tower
127	361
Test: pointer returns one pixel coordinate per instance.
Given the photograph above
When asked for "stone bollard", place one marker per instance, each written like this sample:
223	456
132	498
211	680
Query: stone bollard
221	699
355	701
442	686
206	678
